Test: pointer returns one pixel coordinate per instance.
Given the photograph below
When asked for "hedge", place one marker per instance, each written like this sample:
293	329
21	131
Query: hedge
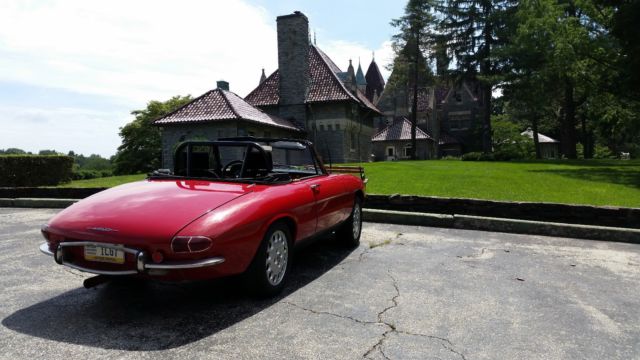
35	170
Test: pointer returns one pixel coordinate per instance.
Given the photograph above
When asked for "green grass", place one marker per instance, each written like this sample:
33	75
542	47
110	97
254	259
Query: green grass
594	182
110	181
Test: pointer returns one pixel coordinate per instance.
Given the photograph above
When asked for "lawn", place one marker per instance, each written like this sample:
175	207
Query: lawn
104	182
594	182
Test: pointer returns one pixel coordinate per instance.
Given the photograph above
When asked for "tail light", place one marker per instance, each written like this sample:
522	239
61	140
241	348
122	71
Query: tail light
52	239
191	244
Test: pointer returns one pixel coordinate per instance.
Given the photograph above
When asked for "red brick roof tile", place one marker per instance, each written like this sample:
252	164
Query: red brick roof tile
220	105
324	84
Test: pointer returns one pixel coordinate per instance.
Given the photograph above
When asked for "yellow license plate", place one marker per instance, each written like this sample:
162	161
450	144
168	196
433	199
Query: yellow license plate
103	254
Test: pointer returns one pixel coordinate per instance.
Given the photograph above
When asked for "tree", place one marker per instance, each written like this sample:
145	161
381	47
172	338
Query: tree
474	29
48	152
141	147
413	40
13	151
562	63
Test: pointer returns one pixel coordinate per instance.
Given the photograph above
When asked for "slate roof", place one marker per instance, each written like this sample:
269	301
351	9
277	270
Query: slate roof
400	129
541	138
375	81
222	105
324	84
360	79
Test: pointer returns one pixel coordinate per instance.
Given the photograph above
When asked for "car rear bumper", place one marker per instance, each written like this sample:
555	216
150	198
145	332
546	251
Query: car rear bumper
141	264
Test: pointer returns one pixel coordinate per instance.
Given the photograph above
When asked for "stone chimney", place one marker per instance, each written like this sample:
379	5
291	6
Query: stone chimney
293	65
222	85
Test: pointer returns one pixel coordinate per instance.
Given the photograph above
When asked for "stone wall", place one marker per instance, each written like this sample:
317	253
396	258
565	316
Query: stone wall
339	133
560	213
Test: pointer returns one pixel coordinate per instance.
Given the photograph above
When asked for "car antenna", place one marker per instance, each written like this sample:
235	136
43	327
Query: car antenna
329	152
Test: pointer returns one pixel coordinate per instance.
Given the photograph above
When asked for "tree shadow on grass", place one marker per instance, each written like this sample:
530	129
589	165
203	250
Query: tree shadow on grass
609	163
629	177
138	315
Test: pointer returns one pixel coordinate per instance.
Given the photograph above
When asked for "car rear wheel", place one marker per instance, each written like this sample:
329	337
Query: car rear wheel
350	230
268	272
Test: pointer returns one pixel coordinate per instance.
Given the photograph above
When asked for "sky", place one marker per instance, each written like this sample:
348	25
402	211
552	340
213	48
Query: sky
71	71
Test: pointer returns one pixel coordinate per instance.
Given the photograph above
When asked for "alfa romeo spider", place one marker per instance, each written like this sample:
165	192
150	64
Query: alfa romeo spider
232	206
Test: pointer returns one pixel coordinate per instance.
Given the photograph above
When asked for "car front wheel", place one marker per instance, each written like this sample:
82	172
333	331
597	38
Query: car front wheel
349	232
268	272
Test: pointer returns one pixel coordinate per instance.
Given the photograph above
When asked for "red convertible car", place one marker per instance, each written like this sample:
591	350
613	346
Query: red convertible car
237	205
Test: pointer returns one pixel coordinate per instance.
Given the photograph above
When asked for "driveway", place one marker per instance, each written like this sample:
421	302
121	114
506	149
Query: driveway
405	293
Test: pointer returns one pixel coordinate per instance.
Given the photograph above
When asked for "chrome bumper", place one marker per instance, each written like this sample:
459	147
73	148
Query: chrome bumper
141	256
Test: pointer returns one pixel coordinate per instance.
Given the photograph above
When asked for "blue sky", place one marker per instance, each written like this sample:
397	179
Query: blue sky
71	70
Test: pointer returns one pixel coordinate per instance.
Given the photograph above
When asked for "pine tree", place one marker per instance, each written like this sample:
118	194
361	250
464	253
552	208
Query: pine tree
411	43
473	29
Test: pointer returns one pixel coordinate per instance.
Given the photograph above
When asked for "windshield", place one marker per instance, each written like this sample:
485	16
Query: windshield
255	161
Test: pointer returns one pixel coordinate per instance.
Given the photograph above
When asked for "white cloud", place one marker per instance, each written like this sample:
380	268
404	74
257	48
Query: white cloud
137	50
127	53
341	52
82	130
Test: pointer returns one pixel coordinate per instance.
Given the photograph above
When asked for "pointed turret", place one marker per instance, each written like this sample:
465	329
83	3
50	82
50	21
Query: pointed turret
360	79
375	81
263	77
350	80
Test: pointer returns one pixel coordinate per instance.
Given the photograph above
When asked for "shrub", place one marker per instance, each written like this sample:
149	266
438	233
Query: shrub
35	170
477	156
83	174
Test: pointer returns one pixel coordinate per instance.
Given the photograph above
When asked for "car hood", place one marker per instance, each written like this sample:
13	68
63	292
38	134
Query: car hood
150	210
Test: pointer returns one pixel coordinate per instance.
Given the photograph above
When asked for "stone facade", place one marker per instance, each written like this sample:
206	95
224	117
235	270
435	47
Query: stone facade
397	150
460	115
456	123
310	90
293	63
340	131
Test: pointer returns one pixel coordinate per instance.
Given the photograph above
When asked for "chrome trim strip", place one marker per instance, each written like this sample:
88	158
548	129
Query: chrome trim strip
44	248
93	243
100	272
141	264
186	264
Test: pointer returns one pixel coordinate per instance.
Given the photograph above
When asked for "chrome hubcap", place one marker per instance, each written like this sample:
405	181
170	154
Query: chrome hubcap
356	221
277	257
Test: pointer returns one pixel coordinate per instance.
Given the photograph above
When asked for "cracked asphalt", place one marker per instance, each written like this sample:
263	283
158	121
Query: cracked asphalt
406	293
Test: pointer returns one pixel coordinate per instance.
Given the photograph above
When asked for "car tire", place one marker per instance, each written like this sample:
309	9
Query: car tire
349	232
269	270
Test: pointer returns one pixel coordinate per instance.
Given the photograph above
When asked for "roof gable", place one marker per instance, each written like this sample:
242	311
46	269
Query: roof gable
221	105
400	129
360	79
324	84
375	81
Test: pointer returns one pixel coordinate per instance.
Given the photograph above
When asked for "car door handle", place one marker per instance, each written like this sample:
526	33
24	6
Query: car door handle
315	187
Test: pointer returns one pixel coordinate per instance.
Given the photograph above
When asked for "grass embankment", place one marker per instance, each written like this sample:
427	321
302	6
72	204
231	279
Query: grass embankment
110	181
592	182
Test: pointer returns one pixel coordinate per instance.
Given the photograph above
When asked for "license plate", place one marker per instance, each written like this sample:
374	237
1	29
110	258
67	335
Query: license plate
103	254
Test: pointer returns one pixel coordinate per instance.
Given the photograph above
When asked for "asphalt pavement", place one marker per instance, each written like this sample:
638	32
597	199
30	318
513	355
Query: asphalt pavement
407	292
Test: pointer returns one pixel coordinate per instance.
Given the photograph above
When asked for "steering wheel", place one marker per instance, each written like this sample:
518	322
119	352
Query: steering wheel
232	168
